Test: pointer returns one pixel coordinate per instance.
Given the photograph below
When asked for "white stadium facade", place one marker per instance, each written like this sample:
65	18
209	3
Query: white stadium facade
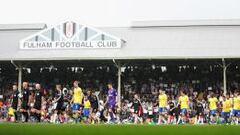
162	42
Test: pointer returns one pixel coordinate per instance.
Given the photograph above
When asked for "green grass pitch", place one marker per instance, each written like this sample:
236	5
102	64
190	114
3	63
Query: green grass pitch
78	129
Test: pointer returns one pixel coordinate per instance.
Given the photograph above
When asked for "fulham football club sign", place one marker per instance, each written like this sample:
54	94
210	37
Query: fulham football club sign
71	35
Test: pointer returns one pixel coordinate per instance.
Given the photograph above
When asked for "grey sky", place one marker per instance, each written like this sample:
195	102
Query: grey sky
114	12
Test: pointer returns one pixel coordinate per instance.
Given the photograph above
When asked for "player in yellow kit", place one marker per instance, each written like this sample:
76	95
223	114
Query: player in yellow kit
162	98
86	109
77	97
226	108
184	104
212	107
236	108
77	102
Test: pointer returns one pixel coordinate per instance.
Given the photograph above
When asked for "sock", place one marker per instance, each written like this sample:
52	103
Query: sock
39	117
15	115
164	120
179	119
108	119
197	120
25	114
111	116
35	116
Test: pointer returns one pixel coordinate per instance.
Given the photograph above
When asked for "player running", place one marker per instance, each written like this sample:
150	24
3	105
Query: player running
162	98
184	105
213	101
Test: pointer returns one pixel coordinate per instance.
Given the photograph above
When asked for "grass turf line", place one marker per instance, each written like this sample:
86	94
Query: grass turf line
78	129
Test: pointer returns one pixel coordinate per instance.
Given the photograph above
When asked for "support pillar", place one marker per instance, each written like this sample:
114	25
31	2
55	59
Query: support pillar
119	84
224	76
20	78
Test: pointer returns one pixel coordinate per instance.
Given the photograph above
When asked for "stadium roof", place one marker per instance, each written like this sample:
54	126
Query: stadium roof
144	40
186	23
15	27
